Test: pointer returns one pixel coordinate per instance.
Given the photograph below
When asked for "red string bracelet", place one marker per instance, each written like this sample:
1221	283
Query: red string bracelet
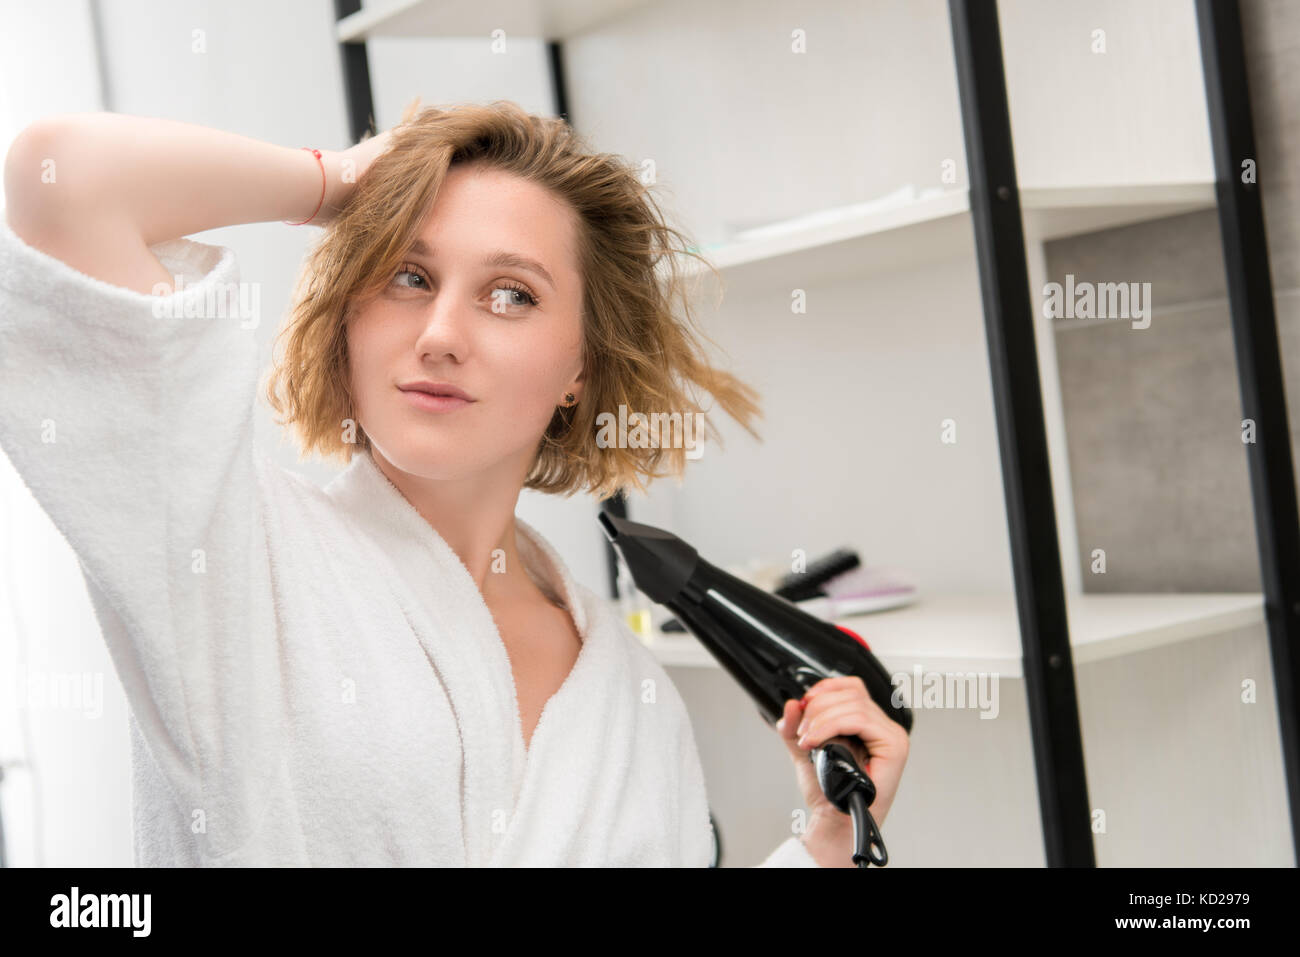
315	153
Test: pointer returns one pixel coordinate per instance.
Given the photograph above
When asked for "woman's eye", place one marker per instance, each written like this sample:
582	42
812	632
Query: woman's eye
411	271
508	295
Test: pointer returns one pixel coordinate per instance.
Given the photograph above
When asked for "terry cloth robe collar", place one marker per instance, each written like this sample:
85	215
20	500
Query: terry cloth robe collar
463	643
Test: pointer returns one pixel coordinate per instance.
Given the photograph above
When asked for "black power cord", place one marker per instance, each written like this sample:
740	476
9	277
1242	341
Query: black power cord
847	787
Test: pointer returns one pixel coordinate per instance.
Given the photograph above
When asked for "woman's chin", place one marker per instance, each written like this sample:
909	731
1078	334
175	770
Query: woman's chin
434	464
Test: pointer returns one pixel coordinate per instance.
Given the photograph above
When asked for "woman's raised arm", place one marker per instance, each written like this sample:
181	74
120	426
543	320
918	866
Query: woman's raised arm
95	190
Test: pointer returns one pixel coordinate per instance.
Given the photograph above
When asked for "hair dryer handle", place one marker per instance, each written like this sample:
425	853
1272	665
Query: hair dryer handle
839	774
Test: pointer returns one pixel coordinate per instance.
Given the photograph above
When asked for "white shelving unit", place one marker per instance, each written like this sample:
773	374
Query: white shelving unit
981	633
950	632
966	633
555	19
859	241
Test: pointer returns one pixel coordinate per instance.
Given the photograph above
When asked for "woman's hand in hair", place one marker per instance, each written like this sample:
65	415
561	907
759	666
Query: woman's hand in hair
344	169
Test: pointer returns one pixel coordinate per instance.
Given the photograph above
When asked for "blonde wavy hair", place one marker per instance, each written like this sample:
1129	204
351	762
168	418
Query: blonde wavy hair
640	347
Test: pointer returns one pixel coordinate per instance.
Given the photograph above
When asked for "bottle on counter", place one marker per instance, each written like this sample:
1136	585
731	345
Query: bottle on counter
632	604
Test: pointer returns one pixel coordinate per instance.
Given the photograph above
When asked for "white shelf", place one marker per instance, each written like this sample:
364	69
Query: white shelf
860	243
982	633
429	19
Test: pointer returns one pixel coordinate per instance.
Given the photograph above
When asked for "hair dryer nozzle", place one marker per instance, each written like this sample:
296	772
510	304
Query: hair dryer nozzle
661	563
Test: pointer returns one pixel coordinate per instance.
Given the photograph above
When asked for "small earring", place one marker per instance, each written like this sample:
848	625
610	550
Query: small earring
568	399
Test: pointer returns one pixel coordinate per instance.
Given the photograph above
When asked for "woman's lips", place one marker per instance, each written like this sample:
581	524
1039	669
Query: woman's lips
434	403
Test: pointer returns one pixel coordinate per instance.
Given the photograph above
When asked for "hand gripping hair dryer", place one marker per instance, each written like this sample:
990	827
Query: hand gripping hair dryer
774	649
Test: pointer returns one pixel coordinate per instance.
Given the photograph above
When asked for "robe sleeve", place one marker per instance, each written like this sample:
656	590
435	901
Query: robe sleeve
129	418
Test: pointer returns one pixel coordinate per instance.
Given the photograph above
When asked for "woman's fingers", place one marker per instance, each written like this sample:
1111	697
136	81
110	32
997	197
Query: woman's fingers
791	715
849	687
847	709
824	722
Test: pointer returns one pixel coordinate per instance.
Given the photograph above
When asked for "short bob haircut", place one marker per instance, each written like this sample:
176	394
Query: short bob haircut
638	347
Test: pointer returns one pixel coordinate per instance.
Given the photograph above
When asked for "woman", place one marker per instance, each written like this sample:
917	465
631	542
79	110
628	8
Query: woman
393	669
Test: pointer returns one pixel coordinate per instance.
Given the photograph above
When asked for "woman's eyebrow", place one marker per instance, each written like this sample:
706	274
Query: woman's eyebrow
501	257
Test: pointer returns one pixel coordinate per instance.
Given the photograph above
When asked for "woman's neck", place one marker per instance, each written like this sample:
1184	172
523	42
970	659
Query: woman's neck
476	518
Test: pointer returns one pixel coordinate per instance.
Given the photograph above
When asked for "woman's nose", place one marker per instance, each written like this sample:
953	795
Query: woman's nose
445	328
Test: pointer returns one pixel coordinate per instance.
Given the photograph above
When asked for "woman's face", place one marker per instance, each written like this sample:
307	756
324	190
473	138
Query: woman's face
489	301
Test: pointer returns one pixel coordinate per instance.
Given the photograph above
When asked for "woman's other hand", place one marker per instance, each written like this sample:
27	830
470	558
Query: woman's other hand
831	708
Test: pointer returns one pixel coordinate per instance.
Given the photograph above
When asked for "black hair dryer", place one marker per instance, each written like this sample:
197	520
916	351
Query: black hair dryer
774	649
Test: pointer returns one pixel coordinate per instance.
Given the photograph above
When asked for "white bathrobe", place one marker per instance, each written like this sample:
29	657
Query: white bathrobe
313	676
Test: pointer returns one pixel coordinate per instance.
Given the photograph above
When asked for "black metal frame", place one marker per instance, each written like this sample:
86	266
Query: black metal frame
356	78
559	87
1022	435
1259	365
1022	439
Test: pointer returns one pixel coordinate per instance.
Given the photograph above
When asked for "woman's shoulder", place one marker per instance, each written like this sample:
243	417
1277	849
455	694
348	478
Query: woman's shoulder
290	494
290	478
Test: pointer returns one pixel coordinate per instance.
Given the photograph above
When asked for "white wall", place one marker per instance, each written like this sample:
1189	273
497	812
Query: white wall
56	809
